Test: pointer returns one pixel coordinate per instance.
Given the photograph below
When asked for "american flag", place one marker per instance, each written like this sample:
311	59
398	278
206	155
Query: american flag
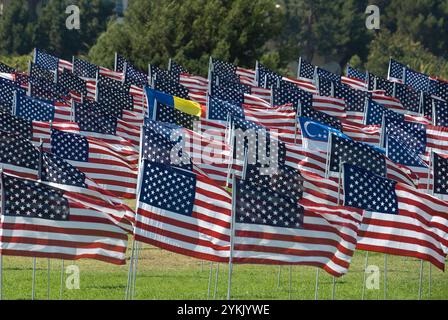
7	90
398	219
183	148
104	126
84	69
273	118
171	115
34	109
408	97
42	221
156	72
112	97
113	108
36	71
183	212
18	156
398	152
344	150
426	105
355	101
171	87
440	113
266	77
305	70
230	83
356	74
328	75
72	83
396	71
416	80
326	86
322	117
46	90
134	76
374	113
50	62
439	184
223	69
230	95
413	135
4	68
176	68
271	227
384	85
99	161
442	89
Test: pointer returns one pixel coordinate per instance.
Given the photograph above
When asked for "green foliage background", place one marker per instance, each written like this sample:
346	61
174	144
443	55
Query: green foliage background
276	32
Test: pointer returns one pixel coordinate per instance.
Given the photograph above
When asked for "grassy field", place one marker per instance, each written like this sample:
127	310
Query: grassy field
164	275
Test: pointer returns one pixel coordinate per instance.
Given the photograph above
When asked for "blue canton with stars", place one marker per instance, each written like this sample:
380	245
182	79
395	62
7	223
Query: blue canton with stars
57	170
220	110
159	140
168	188
356	153
31	199
375	112
7	89
440	174
409	98
416	80
368	191
258	204
69	146
33	109
14	124
355	100
321	117
396	69
328	75
441	113
227	94
292	95
355	73
306	69
45	60
399	153
16	150
84	69
413	135
91	121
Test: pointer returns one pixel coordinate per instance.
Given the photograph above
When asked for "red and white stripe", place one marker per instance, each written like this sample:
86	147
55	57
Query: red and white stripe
326	240
204	235
89	233
332	106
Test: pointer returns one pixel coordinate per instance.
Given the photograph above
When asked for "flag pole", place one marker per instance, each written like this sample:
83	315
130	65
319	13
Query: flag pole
366	261
62	280
232	230
48	278
131	261
290	281
137	251
421	280
216	281
385	276
278	276
34	279
209	280
316	289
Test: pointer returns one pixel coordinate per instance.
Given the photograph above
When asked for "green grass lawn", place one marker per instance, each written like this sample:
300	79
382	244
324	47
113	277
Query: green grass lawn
165	275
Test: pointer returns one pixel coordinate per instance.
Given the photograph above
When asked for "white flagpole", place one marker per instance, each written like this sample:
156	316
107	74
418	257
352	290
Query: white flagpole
34	279
210	280
232	236
385	276
215	292
290	281
48	278
316	289
62	280
278	276
137	251
131	261
421	280
232	230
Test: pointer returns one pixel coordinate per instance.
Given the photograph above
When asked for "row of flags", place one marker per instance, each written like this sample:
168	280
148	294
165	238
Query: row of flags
244	166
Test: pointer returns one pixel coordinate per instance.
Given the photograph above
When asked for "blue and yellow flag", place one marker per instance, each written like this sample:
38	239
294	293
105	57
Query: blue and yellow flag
186	106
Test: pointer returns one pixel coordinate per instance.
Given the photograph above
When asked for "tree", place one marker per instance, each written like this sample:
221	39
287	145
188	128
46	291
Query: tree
405	50
53	35
327	28
425	21
16	28
190	31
